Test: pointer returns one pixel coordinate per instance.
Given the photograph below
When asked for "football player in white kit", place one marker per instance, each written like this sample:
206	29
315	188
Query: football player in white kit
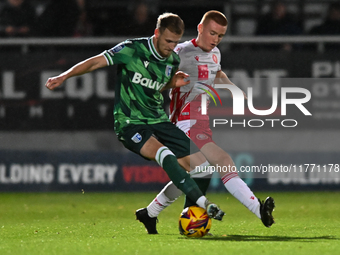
200	58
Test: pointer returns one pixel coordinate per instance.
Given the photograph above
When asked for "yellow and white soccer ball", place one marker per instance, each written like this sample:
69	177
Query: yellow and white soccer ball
194	222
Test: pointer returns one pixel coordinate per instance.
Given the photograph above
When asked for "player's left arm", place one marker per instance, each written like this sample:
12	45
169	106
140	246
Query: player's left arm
222	78
178	80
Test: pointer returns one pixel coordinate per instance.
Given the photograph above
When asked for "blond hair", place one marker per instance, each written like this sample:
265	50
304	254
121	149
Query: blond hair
170	21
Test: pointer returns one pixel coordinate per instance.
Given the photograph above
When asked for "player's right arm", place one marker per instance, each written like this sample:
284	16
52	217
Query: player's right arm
83	67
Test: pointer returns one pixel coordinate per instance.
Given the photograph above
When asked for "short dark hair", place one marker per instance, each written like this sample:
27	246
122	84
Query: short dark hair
216	16
170	21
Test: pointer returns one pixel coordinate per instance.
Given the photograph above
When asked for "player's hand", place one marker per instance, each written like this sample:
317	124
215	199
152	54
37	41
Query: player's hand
181	79
54	82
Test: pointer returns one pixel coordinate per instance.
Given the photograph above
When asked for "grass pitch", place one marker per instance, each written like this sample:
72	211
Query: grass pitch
104	223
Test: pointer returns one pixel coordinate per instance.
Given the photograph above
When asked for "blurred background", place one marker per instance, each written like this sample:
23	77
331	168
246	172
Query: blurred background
64	140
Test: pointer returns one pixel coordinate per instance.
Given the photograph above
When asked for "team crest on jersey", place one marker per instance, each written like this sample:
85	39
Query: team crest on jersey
137	138
214	57
201	137
168	70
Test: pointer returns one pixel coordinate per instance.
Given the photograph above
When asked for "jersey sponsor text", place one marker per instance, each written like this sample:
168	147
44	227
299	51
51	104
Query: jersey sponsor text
146	82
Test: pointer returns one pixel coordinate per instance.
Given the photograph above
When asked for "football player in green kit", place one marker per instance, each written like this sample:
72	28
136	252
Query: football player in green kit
145	67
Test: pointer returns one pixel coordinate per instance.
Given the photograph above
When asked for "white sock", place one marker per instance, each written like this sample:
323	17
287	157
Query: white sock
201	202
239	189
166	197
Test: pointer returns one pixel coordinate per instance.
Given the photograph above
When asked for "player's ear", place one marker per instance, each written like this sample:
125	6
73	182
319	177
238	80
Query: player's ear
157	33
200	28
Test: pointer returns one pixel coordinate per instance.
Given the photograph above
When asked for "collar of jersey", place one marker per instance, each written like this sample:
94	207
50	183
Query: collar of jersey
153	49
193	41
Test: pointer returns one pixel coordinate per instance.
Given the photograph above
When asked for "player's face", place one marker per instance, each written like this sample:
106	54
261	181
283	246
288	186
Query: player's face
166	42
210	35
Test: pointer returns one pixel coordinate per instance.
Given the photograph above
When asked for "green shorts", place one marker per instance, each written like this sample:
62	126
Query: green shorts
134	137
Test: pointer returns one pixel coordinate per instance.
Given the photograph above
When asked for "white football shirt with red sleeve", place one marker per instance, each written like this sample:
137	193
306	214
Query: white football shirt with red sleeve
202	68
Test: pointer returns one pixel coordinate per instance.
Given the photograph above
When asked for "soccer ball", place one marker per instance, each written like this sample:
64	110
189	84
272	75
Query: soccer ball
194	222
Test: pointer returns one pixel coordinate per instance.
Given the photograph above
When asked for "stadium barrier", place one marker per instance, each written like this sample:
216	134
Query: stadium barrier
41	171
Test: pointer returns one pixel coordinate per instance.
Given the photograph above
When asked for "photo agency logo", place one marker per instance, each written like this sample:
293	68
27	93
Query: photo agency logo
238	98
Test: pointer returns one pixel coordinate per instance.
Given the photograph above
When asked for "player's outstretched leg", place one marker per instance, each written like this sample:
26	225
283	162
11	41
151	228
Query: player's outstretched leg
266	210
149	222
168	195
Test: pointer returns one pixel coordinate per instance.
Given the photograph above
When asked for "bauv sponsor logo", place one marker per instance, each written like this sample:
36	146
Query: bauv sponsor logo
146	82
144	174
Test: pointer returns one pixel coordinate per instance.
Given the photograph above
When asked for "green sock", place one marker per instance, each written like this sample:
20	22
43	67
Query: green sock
181	178
203	184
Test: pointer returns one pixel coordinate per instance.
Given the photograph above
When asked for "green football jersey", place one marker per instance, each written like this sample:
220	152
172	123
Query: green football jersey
141	74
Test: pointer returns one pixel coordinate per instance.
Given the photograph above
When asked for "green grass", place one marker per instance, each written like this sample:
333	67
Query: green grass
104	223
